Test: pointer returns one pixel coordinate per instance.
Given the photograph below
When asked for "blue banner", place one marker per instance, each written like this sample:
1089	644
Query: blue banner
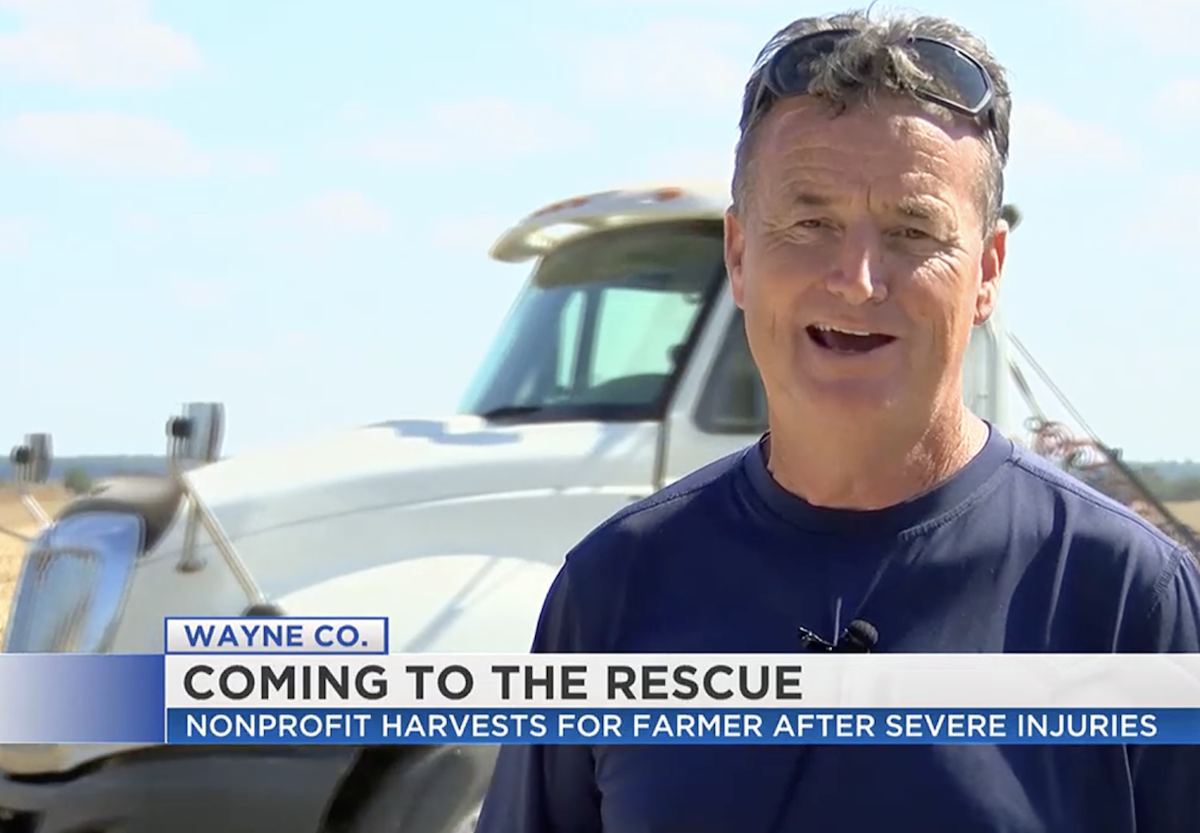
81	698
682	726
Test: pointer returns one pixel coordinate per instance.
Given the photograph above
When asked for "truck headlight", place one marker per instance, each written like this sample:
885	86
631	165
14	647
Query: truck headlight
73	584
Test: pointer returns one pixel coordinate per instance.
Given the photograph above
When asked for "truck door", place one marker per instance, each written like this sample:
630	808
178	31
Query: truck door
720	406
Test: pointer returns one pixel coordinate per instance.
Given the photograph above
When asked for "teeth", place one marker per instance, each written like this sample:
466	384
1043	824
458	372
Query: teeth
826	329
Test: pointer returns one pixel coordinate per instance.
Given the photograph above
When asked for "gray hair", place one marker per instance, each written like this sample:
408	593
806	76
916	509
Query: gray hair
875	60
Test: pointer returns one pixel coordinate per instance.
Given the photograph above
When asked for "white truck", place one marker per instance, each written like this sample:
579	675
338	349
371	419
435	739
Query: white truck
622	366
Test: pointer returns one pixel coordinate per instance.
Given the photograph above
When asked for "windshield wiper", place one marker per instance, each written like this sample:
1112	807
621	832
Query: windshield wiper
504	411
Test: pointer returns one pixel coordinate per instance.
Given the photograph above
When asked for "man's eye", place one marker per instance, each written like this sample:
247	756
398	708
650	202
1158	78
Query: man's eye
810	224
913	234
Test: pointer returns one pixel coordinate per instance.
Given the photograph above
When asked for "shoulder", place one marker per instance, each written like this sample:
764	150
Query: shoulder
667	509
599	568
1054	493
1092	532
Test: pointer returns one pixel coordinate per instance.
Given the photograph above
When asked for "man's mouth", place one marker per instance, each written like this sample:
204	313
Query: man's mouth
851	342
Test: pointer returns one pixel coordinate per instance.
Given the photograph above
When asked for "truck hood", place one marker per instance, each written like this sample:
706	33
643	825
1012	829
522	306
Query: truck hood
419	461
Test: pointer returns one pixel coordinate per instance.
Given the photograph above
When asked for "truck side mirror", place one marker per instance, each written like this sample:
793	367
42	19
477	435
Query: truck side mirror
195	436
1011	215
31	461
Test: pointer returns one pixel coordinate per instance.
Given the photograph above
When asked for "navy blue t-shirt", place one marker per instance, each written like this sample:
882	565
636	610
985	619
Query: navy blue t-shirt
1010	555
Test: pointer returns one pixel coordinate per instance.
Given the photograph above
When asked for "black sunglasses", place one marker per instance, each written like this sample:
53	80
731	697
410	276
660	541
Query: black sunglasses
957	82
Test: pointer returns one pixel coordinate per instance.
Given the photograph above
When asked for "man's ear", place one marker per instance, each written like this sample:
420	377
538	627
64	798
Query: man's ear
991	271
735	250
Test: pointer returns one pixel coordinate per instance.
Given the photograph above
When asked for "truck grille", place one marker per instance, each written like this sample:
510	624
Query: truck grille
73	584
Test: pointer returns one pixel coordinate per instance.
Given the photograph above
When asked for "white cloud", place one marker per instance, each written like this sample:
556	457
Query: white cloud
93	43
479	130
110	143
665	64
140	223
691	7
1167	213
269	356
353	111
1045	137
1178	101
118	143
1108	8
333	215
469	235
706	164
253	163
1170	25
193	295
15	234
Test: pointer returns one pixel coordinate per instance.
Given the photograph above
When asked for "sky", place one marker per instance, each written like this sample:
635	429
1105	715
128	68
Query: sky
286	206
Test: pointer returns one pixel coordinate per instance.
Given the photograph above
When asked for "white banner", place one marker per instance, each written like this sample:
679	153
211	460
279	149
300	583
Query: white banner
270	635
692	681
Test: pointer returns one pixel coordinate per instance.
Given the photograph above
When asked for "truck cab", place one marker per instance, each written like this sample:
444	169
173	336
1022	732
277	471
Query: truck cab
627	320
621	367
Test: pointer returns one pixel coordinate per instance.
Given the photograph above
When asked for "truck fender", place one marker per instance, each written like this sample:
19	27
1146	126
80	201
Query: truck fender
442	603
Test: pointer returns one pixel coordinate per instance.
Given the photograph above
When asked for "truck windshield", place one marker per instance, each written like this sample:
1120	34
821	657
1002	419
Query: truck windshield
604	327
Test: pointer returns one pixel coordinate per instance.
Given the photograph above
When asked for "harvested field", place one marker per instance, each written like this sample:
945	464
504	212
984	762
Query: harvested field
14	516
1188	512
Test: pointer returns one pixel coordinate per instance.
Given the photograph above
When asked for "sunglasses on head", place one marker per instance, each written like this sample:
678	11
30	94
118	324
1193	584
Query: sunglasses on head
957	81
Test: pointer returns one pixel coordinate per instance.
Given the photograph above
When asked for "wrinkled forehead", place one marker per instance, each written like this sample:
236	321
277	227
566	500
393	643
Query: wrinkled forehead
894	149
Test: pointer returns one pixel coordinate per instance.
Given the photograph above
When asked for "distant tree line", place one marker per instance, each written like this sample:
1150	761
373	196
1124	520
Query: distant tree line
1169	489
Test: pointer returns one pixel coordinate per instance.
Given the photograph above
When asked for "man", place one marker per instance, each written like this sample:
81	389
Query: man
864	243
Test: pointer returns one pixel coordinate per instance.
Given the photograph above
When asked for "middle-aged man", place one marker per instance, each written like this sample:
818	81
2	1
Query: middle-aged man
864	243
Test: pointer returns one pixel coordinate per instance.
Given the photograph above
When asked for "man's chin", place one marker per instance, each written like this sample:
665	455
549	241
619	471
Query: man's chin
851	399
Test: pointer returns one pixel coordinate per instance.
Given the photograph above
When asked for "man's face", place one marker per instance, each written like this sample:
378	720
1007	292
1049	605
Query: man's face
870	223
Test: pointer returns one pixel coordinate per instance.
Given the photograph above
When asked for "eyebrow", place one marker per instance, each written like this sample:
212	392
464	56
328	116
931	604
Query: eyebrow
922	209
916	208
811	199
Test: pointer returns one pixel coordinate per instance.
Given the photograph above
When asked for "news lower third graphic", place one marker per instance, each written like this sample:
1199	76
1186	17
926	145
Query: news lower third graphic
307	681
679	726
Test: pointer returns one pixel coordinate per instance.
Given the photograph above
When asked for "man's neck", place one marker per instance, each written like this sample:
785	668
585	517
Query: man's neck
855	469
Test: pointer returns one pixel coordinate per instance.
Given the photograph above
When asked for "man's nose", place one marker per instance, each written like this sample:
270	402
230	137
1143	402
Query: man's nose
856	275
